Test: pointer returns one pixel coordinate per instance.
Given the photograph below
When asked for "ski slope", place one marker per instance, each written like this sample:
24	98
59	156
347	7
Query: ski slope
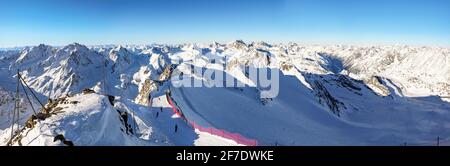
328	94
295	118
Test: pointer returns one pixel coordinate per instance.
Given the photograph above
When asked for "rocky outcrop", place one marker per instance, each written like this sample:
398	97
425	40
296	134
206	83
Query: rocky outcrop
88	91
326	98
50	109
61	138
349	84
144	91
285	66
124	117
166	73
376	84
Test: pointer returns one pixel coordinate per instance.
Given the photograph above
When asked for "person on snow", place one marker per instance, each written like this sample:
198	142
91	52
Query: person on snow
157	114
176	128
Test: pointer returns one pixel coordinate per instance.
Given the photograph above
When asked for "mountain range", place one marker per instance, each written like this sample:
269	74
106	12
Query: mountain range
327	94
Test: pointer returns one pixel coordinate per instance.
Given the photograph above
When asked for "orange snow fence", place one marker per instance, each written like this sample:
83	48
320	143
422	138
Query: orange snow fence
213	131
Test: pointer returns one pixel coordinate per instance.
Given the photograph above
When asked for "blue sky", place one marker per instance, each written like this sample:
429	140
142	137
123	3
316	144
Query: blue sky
59	22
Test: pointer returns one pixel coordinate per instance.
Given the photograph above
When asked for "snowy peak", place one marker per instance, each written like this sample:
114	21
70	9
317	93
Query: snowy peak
261	45
238	45
120	54
78	55
75	47
33	54
62	70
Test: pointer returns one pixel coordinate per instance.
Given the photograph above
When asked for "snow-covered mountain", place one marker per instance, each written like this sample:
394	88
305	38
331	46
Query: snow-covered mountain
328	95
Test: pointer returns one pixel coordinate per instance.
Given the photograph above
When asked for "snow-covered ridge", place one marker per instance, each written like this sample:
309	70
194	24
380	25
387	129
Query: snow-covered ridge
331	93
82	120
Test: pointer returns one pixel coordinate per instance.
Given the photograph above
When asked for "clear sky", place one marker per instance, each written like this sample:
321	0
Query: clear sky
59	22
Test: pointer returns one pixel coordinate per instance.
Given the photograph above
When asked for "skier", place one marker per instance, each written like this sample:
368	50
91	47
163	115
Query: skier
176	128
160	109
157	114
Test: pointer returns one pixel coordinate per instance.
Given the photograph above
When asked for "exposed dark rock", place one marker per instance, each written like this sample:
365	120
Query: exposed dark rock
326	98
61	138
74	102
111	99
123	116
88	91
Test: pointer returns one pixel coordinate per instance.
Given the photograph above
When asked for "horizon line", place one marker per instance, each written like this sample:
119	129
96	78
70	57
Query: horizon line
361	44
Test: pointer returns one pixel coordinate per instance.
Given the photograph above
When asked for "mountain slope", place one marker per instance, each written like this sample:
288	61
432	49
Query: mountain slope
328	95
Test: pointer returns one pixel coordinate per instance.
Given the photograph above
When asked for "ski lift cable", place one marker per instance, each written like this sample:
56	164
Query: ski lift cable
34	95
28	98
13	122
16	111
